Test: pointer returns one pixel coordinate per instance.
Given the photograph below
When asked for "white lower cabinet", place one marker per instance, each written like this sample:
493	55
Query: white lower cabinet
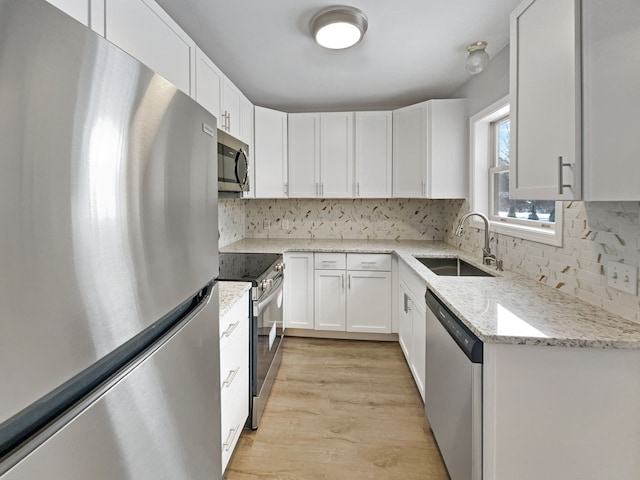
234	375
298	290
330	300
353	292
412	323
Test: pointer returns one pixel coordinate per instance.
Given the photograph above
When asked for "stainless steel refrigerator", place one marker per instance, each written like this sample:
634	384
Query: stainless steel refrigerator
109	357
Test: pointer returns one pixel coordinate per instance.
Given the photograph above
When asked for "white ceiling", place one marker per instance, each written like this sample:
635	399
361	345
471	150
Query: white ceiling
414	50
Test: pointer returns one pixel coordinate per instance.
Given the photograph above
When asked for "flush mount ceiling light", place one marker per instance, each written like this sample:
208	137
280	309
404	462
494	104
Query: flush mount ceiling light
338	27
478	58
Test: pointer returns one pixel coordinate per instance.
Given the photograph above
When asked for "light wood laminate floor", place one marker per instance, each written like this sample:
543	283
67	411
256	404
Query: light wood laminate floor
340	409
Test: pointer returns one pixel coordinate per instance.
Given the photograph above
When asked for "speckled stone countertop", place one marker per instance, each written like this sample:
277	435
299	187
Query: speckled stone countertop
507	308
230	293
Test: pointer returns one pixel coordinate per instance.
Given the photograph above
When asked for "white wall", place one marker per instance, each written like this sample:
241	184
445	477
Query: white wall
489	86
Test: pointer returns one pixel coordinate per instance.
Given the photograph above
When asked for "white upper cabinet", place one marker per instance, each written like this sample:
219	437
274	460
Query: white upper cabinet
611	64
209	80
429	145
221	97
321	155
373	154
78	9
304	155
545	93
409	151
246	120
142	29
336	155
270	153
230	113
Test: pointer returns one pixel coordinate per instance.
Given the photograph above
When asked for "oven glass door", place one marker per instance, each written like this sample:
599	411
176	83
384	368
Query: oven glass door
268	315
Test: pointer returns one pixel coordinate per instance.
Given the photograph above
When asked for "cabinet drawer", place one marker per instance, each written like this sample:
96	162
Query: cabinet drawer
234	412
234	357
231	322
369	261
330	261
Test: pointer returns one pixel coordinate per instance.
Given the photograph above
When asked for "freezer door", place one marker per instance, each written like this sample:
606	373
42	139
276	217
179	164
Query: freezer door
161	420
108	199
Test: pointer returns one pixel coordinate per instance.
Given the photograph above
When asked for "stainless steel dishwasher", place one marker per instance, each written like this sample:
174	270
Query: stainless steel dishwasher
453	390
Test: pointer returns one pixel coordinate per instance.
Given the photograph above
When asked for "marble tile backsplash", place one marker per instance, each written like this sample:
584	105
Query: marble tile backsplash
593	235
231	220
406	219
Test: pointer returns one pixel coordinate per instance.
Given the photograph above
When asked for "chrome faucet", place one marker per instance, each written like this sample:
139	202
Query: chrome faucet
487	257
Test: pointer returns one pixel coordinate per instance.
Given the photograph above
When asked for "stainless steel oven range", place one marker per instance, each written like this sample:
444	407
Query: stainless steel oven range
265	271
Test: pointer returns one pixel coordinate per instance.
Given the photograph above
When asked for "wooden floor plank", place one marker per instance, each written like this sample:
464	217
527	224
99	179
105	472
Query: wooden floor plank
340	409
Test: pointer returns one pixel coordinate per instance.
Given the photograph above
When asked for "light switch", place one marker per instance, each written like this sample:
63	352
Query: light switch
623	277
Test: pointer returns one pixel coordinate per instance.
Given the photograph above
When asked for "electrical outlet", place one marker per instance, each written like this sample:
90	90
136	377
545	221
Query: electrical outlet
623	277
285	224
266	224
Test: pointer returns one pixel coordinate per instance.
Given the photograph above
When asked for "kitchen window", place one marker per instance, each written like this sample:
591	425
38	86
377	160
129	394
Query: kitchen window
536	220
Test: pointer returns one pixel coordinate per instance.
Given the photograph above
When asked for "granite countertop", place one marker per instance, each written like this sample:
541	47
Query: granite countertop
508	308
230	293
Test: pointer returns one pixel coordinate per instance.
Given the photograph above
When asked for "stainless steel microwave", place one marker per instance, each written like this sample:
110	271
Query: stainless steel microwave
233	166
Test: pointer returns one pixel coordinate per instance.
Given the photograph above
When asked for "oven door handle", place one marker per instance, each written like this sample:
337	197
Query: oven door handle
260	305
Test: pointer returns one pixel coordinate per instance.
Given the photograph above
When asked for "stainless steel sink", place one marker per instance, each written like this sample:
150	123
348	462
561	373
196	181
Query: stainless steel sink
452	267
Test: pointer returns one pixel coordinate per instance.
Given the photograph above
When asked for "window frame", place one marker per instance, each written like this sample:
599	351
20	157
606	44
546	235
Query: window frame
482	148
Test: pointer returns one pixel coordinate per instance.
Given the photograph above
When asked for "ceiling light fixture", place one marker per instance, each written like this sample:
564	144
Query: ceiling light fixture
478	58
338	27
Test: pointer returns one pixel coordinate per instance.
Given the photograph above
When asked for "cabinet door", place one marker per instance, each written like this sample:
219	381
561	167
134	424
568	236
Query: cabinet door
336	155
368	301
373	154
545	101
304	155
298	290
405	321
446	149
330	300
142	29
270	153
78	9
419	343
611	101
409	151
208	84
246	121
231	108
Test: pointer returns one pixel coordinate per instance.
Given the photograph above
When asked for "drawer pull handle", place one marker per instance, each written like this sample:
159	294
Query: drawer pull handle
232	375
368	263
230	329
232	433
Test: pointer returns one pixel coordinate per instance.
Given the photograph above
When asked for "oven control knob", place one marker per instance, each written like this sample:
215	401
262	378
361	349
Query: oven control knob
279	267
264	284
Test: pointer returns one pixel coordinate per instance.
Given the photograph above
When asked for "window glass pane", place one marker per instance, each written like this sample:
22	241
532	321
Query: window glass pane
502	131
501	202
538	211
